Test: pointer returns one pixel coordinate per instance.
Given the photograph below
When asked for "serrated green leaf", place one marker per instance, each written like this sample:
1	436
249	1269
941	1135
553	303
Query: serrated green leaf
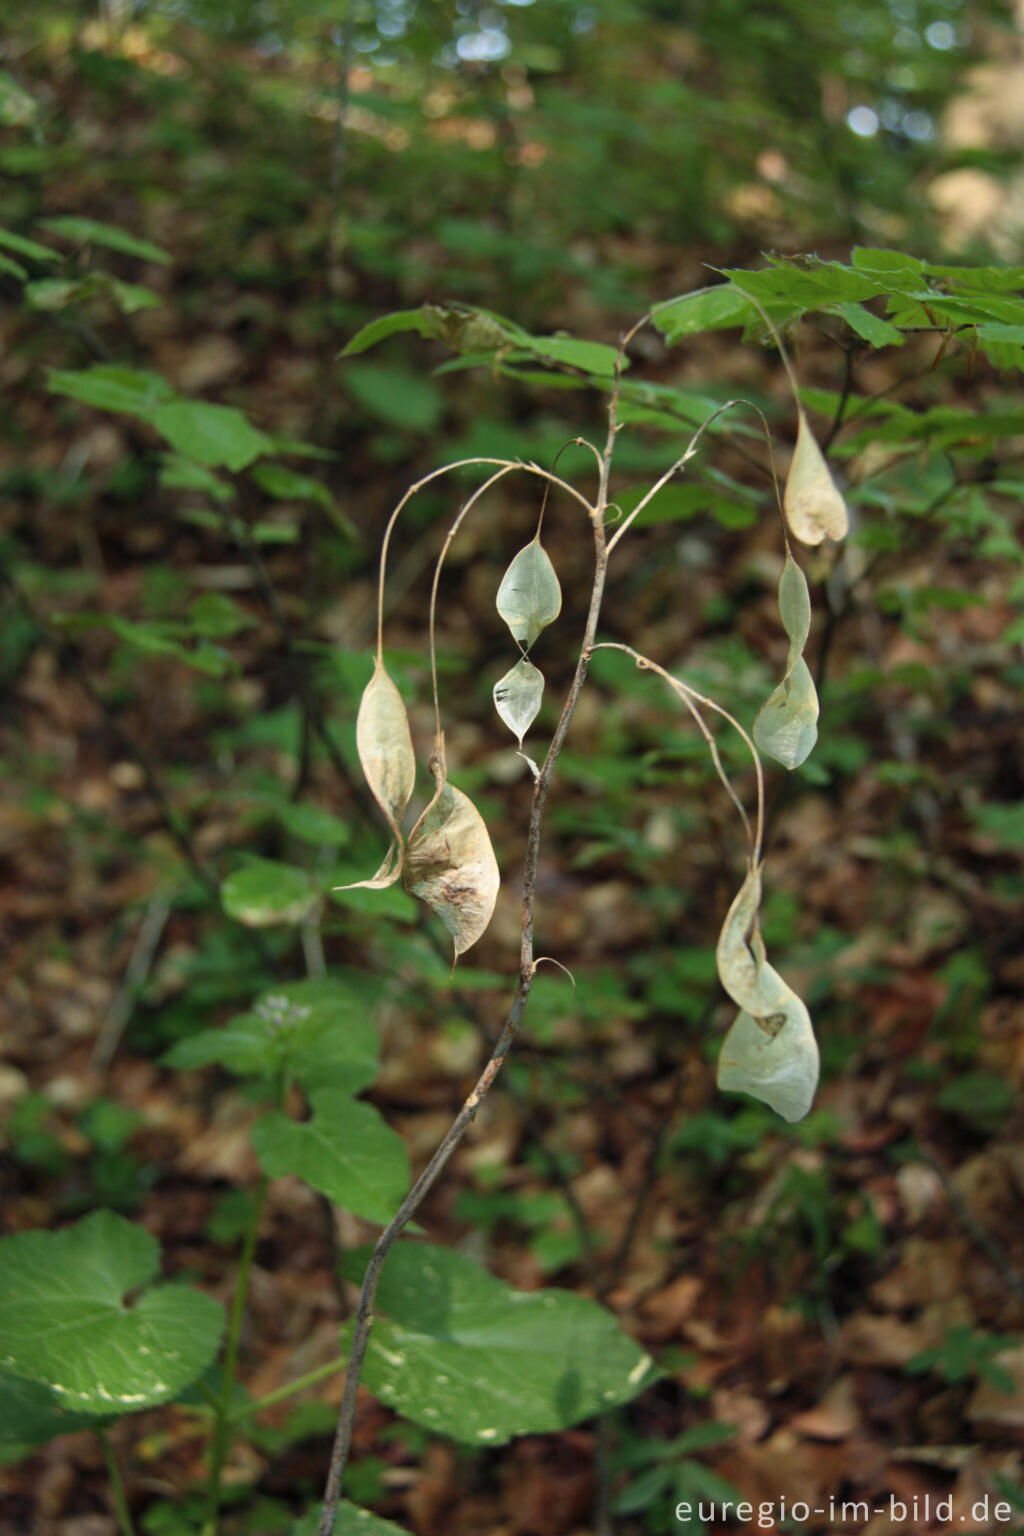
64	1322
317	1031
92	232
529	597
264	892
387	325
708	309
517	697
871	327
786	727
132	390
461	1353
346	1151
216	435
589	356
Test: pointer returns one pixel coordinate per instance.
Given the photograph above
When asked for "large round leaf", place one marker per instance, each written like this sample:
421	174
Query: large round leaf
463	1354
64	1320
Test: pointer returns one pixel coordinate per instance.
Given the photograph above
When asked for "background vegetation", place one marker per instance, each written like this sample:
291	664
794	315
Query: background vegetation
187	605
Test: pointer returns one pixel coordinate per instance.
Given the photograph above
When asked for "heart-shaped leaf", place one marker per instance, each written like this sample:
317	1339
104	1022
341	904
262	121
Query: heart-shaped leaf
812	502
786	727
318	1031
64	1321
463	1354
32	1414
349	1521
529	598
517	697
450	864
346	1151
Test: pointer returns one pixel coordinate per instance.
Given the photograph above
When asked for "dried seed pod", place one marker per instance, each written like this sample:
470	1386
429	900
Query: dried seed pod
450	864
770	1051
812	502
385	752
787	723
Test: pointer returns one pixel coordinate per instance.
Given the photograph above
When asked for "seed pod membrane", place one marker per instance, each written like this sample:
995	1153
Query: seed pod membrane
385	752
530	597
517	697
812	502
450	864
786	727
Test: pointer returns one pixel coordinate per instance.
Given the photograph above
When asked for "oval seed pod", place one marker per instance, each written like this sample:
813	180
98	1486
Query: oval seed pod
737	965
530	597
386	755
450	864
517	697
774	1057
786	727
812	502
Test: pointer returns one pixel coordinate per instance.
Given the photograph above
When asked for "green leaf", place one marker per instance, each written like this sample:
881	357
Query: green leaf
32	1414
131	390
264	892
346	1151
317	1031
64	1321
349	1521
92	232
179	474
871	327
12	268
17	108
388	325
311	823
530	597
286	485
217	616
786	727
28	248
396	395
216	435
590	356
464	1355
708	309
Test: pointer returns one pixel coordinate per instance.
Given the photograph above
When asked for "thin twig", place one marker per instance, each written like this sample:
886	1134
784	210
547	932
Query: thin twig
140	961
527	969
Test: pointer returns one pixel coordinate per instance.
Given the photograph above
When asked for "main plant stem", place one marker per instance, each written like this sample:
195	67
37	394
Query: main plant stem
223	1416
527	968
